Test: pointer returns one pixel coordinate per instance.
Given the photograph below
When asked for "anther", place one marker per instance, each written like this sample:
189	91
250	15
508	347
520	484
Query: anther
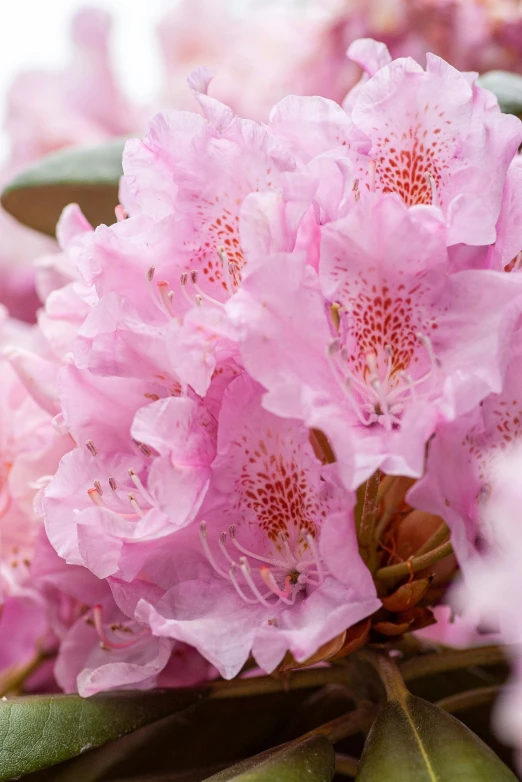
113	484
95	497
133	502
91	447
98	487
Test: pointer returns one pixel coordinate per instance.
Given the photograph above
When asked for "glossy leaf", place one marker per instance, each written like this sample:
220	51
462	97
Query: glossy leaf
311	758
414	741
39	731
507	87
88	176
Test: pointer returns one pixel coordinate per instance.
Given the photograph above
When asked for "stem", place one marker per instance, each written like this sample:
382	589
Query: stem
357	721
428	664
468	700
369	513
297	680
389	674
414	564
13	679
346	765
438	537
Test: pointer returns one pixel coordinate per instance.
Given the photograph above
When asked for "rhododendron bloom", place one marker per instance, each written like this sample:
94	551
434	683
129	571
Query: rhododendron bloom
386	339
275	565
466	459
435	139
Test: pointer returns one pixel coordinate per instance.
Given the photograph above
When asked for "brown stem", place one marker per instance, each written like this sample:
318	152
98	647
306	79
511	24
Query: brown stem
357	721
346	765
298	680
13	679
453	660
468	700
414	564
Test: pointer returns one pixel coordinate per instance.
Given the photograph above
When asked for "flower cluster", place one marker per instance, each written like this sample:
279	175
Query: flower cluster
290	363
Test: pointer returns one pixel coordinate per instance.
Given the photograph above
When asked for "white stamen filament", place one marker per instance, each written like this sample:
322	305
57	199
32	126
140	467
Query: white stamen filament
294	571
97	615
380	401
201	293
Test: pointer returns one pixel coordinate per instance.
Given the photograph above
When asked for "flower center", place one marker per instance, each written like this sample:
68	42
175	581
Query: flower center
269	580
378	393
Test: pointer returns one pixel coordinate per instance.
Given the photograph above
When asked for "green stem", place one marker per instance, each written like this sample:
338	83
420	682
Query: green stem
468	700
346	765
453	660
297	680
368	518
438	537
389	674
414	564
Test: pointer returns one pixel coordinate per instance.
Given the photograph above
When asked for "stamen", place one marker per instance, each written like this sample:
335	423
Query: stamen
139	485
284	540
208	552
268	578
98	487
113	484
132	500
95	497
105	642
235	542
158	303
165	297
316	558
232	574
222	545
245	569
201	293
91	447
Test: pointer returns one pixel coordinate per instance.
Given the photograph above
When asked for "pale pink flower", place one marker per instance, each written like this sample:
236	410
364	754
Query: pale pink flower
466	459
436	139
139	472
386	339
274	564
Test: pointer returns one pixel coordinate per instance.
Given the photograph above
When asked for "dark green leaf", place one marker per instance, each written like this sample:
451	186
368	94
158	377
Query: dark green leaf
507	87
413	740
39	731
88	176
311	759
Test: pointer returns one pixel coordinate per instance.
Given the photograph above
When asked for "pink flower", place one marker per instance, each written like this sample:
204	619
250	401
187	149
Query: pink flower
436	139
465	460
139	471
385	340
275	565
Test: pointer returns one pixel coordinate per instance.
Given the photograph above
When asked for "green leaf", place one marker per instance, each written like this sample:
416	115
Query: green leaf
507	87
39	731
414	741
88	176
312	758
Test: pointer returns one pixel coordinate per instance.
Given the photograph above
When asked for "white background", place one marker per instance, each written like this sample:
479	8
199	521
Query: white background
35	33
